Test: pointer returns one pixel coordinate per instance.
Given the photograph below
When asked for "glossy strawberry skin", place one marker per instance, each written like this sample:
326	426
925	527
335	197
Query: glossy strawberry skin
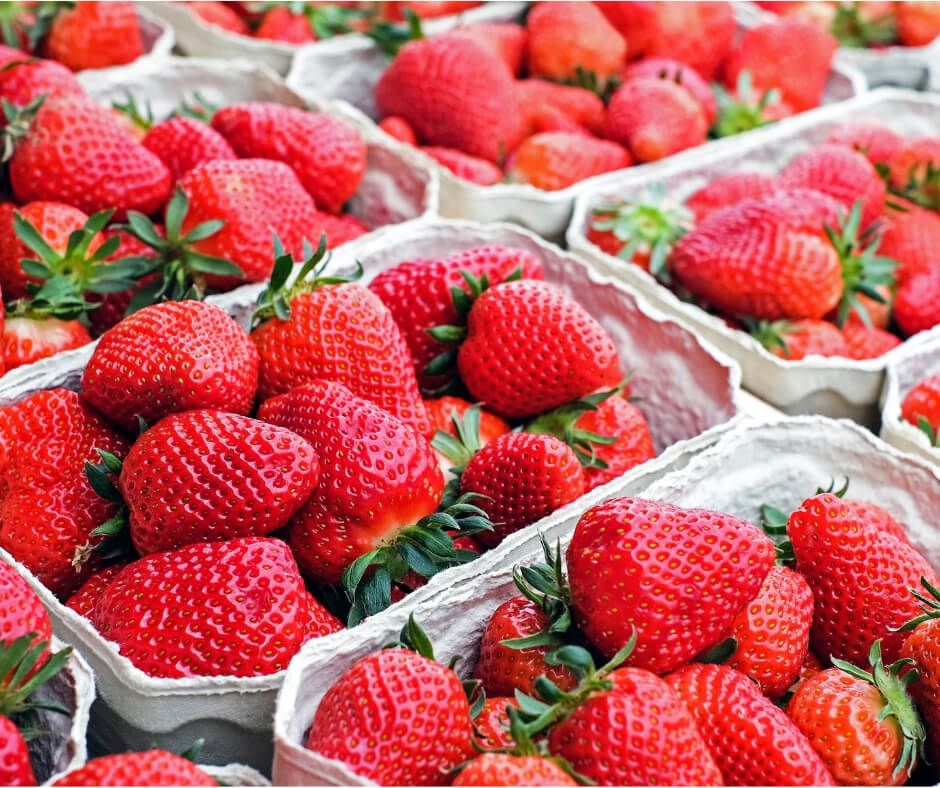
26	339
923	401
83	601
512	329
95	165
617	417
21	612
360	719
320	622
154	767
553	160
923	646
15	768
918	23
876	518
47	507
811	338
327	154
469	168
361	498
182	143
281	24
340	229
626	557
839	554
441	411
917	303
22	83
503	769
234	608
729	189
96	35
346	334
259	476
492	723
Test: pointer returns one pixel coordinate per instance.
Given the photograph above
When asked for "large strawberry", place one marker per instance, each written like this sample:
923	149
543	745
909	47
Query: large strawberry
333	329
631	568
96	35
153	767
170	357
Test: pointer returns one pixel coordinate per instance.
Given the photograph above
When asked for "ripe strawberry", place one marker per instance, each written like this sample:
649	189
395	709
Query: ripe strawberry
512	328
48	509
395	9
923	647
171	357
861	25
728	190
414	694
877	518
15	768
914	171
330	329
795	340
491	725
320	622
555	160
673	71
867	342
463	165
918	23
261	475
84	600
507	40
768	54
220	15
655	118
95	35
153	767
606	567
400	129
875	141
753	742
912	237
182	143
418	294
22	613
328	155
280	23
204	628
863	725
340	229
29	339
921	405
568	39
838	553
580	106
24	82
917	303
454	92
96	167
449	415
497	768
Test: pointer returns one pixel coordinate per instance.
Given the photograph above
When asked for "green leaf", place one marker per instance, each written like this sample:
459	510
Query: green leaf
30	236
213	265
176	212
143	229
204	230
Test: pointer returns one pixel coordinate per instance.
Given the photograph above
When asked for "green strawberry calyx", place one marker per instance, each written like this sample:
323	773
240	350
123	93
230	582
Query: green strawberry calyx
17	122
390	37
922	186
929	605
115	541
852	29
892	681
743	110
773	522
141	117
924	425
459	450
18	658
772	333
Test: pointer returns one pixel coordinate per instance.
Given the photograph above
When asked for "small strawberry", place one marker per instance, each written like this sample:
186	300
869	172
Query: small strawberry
582	107
29	339
301	23
917	303
463	165
15	768
171	357
727	190
867	341
502	769
922	646
320	622
673	71
921	406
182	143
23	83
95	35
555	160
918	23
153	767
280	23
219	14
797	339
491	724
399	128
83	601
874	140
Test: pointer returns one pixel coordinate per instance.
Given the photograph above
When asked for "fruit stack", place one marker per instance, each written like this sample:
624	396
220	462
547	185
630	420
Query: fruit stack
743	673
910	415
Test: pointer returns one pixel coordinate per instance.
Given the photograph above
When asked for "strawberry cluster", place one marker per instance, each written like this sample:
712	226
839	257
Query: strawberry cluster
587	88
834	256
731	656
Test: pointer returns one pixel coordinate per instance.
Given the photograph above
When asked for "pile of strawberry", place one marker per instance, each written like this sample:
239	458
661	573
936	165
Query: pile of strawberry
838	255
586	88
875	24
806	656
109	210
156	474
921	407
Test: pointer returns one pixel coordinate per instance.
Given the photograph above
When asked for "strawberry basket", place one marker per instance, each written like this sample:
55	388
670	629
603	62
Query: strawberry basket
780	463
905	370
836	387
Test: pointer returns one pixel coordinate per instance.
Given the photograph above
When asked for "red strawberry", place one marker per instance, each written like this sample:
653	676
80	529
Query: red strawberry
22	613
340	229
923	647
95	35
923	402
454	92
867	342
234	608
84	600
912	238
795	340
261	475
492	723
320	621
463	165
395	9
29	339
183	143
838	554
506	39
48	508
913	170
673	71
512	328
917	303
15	768
153	767
873	516
280	23
220	15
606	566
502	769
400	129
447	412
24	82
871	138
209	360
328	155
97	166
557	159
655	118
728	190
580	106
566	39
863	725
753	742
918	23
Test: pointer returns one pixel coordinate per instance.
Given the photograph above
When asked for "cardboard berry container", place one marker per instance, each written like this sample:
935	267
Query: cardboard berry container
690	393
781	463
829	386
919	359
199	38
351	74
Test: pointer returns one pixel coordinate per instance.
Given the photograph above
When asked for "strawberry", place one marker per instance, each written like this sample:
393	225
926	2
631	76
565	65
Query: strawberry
320	621
655	118
875	141
567	40
491	725
204	628
512	328
753	742
555	160
449	415
863	724
22	614
211	362
396	9
182	143
114	306
400	129
333	329
838	553
507	40
330	169
83	601
869	25
280	23
340	229
797	339
382	718
454	92
673	71
419	295
913	171
582	107
923	647
29	339
23	83
153	767
15	768
877	518
917	303
463	165
921	406
728	190
220	15
918	23
867	341
768	54
95	35
261	476
912	237
502	769
605	567
96	167
48	509
744	106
